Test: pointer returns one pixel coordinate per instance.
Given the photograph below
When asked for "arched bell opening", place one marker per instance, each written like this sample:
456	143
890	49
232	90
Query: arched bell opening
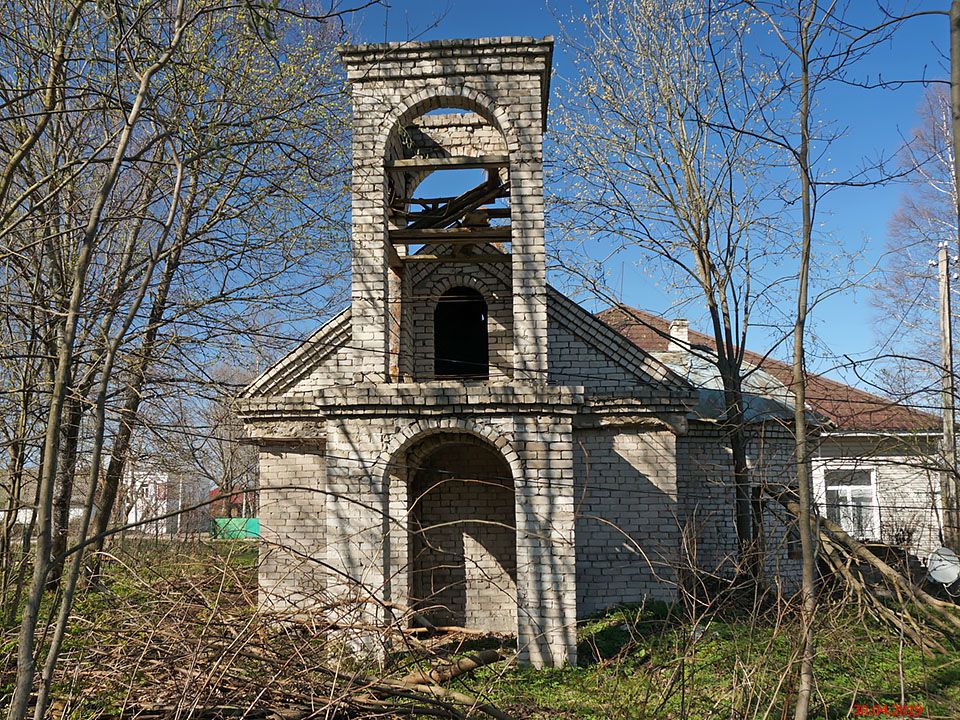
447	173
463	540
448	177
461	344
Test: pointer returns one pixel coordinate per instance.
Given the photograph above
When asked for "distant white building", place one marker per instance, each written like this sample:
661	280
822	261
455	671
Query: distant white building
148	496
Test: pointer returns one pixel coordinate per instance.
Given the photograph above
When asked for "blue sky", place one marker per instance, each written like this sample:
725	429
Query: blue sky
854	222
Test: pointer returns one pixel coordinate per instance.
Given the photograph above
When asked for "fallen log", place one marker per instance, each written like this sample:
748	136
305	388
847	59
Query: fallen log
447	671
450	695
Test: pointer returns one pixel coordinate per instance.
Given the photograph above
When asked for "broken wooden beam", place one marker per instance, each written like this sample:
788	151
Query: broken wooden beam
393	257
472	199
499	213
473	259
447	671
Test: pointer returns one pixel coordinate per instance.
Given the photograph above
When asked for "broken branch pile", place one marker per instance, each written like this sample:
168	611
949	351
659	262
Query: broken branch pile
182	639
922	618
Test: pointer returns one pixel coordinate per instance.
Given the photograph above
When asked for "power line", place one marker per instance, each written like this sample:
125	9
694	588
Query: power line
552	483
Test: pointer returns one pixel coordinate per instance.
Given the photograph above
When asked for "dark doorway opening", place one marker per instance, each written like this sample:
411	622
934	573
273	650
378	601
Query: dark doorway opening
460	335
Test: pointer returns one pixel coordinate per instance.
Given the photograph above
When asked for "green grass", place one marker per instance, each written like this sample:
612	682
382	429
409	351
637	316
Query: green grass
653	663
133	637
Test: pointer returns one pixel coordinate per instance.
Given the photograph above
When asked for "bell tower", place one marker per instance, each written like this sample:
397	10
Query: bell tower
423	110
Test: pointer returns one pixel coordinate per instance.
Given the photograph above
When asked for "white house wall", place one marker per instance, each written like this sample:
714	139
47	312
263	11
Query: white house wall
907	505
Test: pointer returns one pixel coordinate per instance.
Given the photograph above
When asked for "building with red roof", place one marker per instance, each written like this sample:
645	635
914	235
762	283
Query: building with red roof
875	461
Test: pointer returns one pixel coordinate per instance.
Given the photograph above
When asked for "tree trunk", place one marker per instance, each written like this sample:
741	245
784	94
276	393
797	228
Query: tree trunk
10	521
806	516
63	496
741	481
734	425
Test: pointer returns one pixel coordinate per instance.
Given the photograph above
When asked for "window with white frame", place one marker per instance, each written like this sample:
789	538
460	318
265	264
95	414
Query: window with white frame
851	500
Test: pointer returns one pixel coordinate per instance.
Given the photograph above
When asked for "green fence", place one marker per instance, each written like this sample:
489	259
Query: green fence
236	528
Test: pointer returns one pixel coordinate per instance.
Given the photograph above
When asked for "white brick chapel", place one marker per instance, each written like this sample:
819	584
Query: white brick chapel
464	440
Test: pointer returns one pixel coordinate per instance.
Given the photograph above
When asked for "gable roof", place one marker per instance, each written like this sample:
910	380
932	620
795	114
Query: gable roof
647	368
651	373
285	372
848	408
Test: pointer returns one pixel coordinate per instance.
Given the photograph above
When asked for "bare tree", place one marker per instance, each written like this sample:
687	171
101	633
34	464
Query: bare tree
906	293
167	166
654	152
817	45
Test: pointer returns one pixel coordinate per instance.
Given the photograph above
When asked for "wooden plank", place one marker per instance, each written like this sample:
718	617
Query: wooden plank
474	259
489	162
432	236
393	257
456	241
501	213
401	201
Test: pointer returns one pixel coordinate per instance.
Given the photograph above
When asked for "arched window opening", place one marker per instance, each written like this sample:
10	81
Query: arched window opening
460	335
448	178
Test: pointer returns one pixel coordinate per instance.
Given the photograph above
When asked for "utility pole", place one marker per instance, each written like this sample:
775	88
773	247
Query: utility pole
948	485
948	482
955	101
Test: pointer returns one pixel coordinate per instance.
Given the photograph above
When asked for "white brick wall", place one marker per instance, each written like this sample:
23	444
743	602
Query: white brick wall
427	285
464	540
627	529
502	82
293	527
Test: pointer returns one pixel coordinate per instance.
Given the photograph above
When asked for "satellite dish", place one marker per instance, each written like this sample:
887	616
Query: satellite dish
944	566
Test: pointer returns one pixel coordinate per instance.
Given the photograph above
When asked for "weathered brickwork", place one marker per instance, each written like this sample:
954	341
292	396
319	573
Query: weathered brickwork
325	359
372	538
573	360
627	525
706	489
504	81
445	135
293	527
589	354
455	134
427	285
464	540
558	486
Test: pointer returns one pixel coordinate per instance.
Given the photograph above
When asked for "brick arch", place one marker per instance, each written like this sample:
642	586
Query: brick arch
461	279
433	98
455	546
422	276
421	451
404	441
415	179
428	282
481	284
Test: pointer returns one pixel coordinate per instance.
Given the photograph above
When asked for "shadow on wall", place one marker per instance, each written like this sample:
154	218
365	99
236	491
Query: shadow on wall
627	535
463	539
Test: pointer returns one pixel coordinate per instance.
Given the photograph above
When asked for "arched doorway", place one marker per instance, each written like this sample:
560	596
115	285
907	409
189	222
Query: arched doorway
463	541
460	337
